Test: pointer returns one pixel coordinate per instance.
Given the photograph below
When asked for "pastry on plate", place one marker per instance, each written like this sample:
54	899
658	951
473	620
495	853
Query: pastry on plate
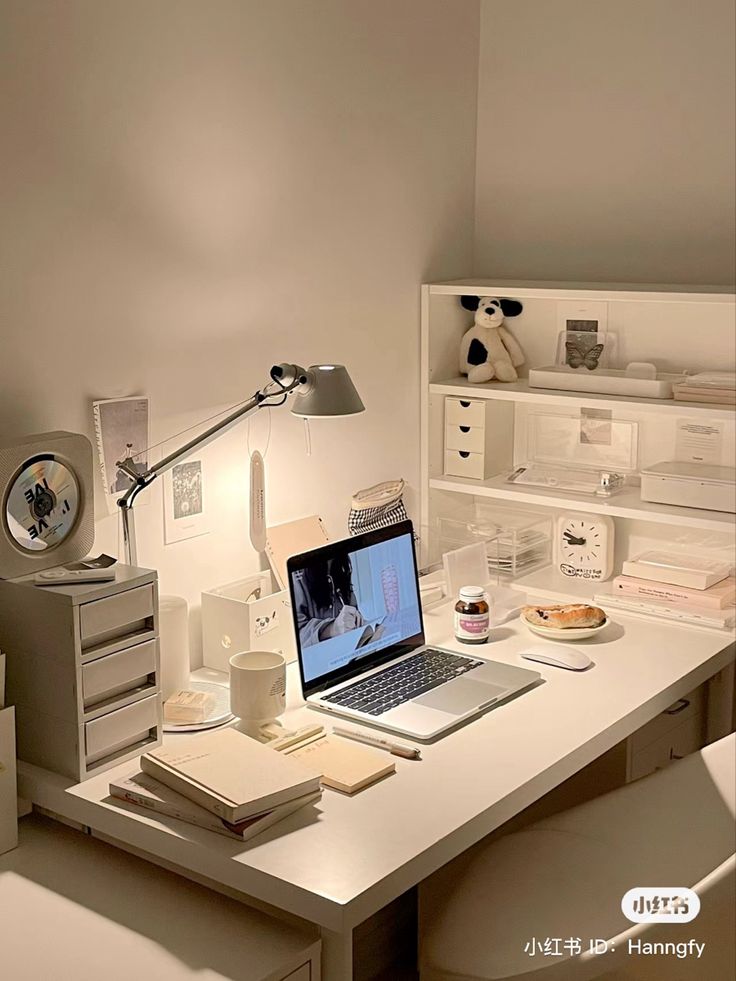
561	617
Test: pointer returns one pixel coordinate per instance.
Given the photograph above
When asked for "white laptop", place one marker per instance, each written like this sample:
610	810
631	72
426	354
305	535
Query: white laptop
360	640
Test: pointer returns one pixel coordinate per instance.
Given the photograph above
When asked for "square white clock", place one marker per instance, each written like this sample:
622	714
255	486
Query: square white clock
584	545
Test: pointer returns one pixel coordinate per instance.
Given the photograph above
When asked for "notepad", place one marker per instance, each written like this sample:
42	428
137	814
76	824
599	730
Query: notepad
344	766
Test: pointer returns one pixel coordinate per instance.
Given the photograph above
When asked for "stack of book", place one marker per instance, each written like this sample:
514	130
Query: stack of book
223	781
718	387
675	587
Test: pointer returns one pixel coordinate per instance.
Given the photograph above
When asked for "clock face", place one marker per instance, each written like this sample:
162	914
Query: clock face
584	546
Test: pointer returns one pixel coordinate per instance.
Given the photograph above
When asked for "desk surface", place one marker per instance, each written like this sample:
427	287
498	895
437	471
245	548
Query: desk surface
364	851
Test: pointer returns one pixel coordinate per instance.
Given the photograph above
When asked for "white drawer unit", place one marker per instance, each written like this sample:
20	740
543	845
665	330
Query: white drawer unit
83	670
477	444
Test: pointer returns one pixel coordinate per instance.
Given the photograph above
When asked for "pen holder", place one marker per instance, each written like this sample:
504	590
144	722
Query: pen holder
257	690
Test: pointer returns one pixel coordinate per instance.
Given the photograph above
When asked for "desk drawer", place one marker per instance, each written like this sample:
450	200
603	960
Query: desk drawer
459	463
118	673
469	438
465	412
116	616
683	710
113	732
683	739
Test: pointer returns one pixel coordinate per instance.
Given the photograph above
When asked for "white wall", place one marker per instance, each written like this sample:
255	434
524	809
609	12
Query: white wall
606	141
192	190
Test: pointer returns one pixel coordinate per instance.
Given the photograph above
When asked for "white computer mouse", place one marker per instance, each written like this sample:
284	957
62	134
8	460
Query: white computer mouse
558	656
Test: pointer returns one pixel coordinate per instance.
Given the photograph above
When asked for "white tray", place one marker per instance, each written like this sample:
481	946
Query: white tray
603	381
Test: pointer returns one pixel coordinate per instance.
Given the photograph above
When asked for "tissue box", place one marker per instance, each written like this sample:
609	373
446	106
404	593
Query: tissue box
246	616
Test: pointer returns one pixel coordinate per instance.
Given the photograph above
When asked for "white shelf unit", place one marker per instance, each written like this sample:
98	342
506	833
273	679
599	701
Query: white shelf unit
675	327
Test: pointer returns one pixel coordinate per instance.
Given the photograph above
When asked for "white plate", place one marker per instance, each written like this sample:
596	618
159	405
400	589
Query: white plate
219	715
564	633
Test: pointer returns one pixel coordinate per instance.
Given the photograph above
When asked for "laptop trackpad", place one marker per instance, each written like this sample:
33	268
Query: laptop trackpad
460	696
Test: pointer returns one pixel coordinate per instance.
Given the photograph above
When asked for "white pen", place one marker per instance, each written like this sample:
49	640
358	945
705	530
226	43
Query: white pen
408	752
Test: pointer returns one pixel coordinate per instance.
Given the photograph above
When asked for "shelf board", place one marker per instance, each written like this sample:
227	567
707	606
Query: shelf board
548	289
626	504
520	391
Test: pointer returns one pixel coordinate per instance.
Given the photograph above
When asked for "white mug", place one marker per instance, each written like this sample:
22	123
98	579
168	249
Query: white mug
257	689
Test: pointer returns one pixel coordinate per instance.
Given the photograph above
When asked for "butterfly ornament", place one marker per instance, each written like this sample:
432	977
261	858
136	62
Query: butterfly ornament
577	357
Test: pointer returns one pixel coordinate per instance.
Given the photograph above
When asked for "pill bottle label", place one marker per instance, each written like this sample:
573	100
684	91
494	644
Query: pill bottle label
472	627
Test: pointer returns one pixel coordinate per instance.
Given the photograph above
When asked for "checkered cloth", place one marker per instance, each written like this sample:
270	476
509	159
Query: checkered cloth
377	507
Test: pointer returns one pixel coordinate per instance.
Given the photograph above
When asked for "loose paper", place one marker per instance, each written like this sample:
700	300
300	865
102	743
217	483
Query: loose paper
699	442
122	432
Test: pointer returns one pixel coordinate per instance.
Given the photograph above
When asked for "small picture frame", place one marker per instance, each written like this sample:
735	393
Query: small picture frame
185	501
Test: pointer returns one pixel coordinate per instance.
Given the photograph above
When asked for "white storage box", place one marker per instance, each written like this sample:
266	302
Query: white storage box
693	485
246	616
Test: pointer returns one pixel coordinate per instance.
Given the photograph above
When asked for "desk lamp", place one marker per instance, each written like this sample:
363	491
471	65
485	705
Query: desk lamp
321	391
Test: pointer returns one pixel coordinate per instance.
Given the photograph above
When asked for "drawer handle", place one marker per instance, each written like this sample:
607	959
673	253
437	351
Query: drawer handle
464	454
673	755
465	429
680	705
465	405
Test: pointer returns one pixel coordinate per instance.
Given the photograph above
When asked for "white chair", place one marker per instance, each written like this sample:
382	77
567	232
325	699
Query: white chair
564	877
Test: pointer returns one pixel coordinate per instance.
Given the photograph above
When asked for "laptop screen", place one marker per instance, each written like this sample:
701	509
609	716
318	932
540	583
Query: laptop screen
355	605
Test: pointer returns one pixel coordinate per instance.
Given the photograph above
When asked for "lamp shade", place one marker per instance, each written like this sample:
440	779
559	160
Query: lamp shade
328	391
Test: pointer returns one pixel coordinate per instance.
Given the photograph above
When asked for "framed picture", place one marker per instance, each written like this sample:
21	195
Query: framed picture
185	514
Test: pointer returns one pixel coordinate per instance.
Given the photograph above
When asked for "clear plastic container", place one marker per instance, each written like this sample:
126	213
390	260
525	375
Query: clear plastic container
583	441
516	541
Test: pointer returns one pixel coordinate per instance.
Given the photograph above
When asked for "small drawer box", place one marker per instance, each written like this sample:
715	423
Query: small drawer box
117	730
471	439
117	673
478	437
460	463
465	412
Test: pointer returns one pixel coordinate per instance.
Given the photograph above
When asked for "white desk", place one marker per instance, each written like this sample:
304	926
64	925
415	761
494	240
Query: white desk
365	851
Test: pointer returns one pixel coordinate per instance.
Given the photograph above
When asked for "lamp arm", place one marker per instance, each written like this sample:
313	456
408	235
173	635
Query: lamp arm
285	378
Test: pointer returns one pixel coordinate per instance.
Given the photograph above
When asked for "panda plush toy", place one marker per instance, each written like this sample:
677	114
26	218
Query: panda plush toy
488	350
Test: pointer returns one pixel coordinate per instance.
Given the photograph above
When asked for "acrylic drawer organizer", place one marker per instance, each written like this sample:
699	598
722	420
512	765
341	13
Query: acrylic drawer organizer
580	454
517	541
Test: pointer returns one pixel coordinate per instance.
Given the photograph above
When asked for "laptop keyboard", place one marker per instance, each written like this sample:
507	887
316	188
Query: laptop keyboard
403	681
